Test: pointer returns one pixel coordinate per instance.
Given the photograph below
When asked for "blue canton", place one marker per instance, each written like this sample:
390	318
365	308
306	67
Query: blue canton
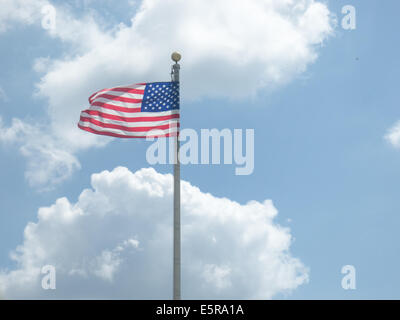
160	96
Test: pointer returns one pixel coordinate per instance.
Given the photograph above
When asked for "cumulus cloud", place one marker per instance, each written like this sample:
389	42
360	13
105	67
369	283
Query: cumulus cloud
393	135
48	161
231	49
19	12
116	242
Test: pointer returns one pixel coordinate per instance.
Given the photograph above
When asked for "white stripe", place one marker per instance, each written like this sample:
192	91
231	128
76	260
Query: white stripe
118	103
128	133
134	114
133	86
130	124
120	94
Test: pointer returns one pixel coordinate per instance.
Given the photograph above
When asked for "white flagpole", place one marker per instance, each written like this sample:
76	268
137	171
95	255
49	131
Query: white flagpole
177	200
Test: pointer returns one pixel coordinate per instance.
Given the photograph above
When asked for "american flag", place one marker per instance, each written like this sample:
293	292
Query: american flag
134	111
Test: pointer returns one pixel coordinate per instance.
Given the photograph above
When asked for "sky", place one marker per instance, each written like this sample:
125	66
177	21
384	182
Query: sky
324	191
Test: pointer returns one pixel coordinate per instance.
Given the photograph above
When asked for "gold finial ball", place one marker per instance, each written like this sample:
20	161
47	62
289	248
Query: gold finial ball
176	56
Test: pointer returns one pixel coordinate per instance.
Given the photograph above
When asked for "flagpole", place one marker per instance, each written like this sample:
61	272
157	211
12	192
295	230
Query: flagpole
177	199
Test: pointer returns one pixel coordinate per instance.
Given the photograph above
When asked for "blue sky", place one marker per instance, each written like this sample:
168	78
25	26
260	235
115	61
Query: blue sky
320	151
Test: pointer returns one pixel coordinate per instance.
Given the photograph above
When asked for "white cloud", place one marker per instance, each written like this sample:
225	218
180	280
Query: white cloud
106	265
230	48
49	162
393	135
218	276
116	242
19	12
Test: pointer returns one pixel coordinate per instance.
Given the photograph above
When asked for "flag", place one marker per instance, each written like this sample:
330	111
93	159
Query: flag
134	111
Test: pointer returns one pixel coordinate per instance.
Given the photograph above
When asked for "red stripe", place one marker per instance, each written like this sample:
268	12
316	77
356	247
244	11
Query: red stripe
132	129
128	90
126	119
90	98
116	108
118	98
111	134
